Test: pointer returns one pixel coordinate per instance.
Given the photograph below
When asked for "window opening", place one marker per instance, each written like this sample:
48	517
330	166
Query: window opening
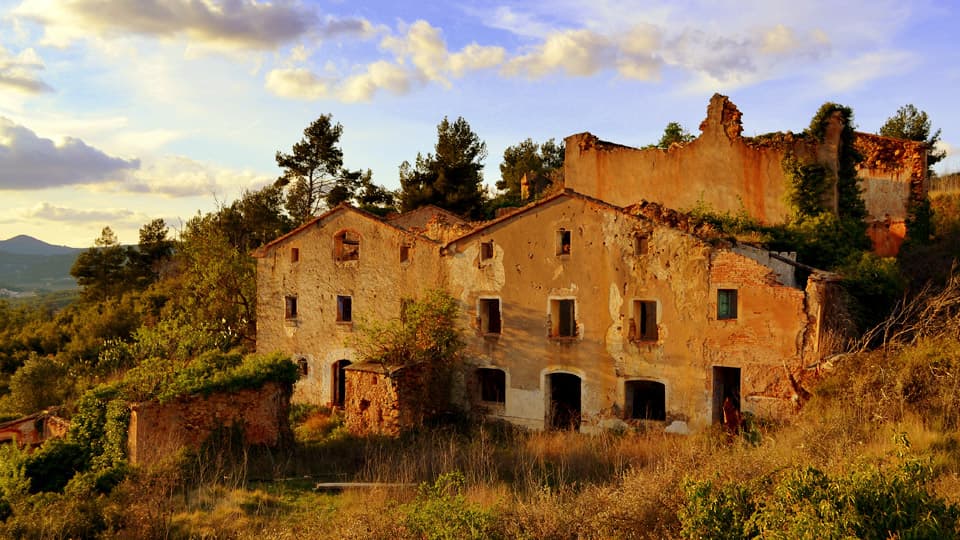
486	250
646	400
347	245
563	242
404	253
563	318
290	307
294	254
490	315
564	411
493	385
339	383
641	243
304	367
727	304
645	317
344	308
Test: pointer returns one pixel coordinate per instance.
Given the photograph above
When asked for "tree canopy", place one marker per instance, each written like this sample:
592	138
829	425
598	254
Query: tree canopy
542	164
674	133
912	124
450	178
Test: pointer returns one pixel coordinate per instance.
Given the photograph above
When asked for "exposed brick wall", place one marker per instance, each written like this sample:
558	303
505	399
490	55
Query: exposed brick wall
161	429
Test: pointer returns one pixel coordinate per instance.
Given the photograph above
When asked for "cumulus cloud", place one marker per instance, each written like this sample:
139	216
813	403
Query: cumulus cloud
18	72
575	52
420	56
28	161
49	212
178	176
249	24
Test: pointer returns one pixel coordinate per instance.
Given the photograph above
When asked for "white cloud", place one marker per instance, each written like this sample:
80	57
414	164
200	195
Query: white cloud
179	176
868	66
31	162
575	52
379	75
18	72
49	212
298	83
246	24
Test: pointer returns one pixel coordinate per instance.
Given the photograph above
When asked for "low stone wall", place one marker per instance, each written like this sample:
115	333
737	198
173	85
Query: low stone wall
161	429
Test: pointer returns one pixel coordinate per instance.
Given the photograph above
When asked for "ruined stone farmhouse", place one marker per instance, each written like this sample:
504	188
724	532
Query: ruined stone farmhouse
586	308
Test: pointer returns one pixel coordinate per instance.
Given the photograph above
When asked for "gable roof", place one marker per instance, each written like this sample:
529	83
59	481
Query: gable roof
565	194
342	207
419	217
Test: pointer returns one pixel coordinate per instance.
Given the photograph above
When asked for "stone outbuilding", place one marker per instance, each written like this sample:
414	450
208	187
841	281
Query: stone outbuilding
34	429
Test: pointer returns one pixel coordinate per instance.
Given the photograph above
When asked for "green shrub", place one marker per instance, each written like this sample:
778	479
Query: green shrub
716	512
440	512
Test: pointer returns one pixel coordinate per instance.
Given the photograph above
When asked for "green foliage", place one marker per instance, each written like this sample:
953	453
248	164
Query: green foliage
312	169
14	482
100	270
441	512
542	164
41	382
451	177
875	283
716	512
807	187
674	133
54	464
850	204
427	333
914	125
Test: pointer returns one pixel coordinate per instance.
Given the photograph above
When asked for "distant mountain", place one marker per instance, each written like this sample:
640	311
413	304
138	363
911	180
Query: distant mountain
28	245
28	264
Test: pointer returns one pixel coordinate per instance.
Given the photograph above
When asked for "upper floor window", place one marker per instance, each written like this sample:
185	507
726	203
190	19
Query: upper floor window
563	320
489	315
486	250
290	307
404	253
347	246
563	242
344	308
726	304
641	244
645	318
294	254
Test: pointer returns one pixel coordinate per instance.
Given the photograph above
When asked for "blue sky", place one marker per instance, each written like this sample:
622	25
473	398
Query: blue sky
116	112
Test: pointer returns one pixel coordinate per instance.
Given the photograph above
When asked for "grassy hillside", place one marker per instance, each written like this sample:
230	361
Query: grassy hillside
28	272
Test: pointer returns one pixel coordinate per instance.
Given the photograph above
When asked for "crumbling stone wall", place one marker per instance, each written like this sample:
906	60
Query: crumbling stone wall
158	429
720	168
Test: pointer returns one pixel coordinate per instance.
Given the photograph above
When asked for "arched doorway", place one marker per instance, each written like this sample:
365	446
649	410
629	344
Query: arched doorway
564	410
339	383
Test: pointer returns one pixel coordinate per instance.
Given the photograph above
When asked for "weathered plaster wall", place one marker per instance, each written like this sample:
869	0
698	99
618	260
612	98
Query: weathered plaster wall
605	275
161	429
34	429
720	168
377	283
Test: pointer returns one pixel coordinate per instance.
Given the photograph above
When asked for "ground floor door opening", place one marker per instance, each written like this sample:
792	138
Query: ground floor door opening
564	410
339	383
726	384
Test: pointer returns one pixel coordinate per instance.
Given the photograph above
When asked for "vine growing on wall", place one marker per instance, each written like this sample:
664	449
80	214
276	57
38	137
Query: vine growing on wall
807	187
850	204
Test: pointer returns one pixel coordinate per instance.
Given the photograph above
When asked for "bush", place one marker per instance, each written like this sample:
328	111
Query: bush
440	512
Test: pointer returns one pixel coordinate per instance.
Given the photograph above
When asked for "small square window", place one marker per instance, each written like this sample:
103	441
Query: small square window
493	385
489	315
290	307
404	253
347	246
726	304
563	242
294	254
641	243
486	250
563	321
344	308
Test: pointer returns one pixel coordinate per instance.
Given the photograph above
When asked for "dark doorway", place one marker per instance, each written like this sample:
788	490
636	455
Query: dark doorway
726	383
339	383
646	400
564	410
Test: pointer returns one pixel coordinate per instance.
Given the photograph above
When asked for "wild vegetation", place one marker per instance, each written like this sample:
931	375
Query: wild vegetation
874	453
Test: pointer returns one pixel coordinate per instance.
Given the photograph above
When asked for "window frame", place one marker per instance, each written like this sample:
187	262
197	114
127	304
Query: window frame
495	377
641	244
486	250
294	255
641	314
564	241
484	319
727	304
291	310
344	309
555	314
